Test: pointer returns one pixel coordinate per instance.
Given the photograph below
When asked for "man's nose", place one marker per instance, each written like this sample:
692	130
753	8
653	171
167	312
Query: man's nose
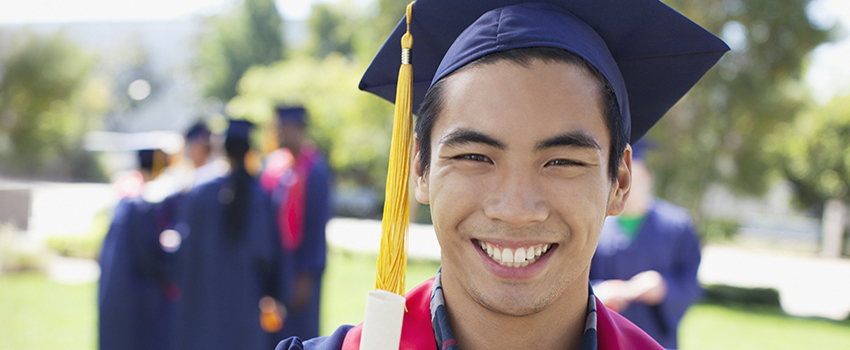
517	200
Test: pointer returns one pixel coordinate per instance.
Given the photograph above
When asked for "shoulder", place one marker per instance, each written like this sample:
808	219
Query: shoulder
331	342
671	213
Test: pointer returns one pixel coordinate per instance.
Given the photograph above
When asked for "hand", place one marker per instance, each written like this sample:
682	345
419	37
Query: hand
647	287
612	293
272	314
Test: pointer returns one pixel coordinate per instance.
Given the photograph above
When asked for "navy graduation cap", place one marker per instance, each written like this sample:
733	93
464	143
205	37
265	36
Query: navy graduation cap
198	131
641	148
649	53
296	115
239	129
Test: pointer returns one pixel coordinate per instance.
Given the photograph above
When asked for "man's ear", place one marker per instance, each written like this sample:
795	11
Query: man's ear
420	178
622	185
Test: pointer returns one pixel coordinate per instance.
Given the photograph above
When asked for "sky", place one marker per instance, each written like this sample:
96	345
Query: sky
828	75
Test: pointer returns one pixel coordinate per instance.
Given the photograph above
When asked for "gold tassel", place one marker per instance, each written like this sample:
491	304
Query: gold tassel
392	259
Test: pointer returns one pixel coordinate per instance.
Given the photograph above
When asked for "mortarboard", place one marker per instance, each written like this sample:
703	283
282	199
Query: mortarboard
198	132
239	129
657	53
641	148
146	158
292	115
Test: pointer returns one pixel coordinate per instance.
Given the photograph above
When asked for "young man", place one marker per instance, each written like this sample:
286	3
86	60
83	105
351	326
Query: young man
299	180
522	151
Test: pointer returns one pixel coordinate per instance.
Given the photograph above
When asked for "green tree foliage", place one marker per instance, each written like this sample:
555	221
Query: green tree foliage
715	134
814	152
347	29
47	103
333	29
249	35
352	127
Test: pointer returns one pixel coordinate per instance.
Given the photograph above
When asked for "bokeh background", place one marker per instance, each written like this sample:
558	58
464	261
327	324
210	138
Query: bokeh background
759	151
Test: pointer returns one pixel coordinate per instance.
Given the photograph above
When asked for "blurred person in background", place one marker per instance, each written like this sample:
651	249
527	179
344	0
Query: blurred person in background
196	168
229	266
645	266
198	147
298	178
132	294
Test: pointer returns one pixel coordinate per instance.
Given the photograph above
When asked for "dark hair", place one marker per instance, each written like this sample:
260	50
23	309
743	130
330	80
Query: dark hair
235	194
433	103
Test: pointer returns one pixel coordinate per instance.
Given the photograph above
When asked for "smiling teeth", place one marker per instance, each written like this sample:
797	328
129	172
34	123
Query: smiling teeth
521	257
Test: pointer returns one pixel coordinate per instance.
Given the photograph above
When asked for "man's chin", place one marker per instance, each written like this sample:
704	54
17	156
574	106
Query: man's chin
516	304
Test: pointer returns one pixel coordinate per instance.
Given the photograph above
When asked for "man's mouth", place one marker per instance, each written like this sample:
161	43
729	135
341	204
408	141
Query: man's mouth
514	257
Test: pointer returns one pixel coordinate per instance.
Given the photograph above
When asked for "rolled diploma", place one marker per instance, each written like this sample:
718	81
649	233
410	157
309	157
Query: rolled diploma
382	321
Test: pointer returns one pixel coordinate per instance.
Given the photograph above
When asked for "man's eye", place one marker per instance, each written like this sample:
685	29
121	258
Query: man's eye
564	162
474	158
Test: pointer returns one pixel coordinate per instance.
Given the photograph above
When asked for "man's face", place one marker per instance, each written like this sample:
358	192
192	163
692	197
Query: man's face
519	164
198	152
290	135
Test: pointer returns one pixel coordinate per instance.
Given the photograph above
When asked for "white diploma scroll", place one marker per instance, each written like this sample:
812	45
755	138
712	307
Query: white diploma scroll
382	321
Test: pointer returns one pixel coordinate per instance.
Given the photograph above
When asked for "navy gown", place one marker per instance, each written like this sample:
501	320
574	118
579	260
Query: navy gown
665	243
132	308
311	256
223	276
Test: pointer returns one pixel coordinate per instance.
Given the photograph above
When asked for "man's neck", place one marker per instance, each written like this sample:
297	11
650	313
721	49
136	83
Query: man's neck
559	326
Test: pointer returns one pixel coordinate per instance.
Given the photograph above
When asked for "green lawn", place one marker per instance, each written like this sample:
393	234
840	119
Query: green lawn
38	314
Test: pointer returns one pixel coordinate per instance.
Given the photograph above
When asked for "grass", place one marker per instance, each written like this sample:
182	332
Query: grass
38	314
347	280
738	326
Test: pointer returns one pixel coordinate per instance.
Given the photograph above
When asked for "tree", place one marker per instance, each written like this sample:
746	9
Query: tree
47	103
814	152
251	34
347	29
716	133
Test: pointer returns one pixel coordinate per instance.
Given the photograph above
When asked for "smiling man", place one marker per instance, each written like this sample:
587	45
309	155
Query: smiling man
526	110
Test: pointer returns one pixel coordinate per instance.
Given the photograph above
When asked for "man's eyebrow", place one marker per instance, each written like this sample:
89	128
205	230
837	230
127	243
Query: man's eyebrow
466	136
578	139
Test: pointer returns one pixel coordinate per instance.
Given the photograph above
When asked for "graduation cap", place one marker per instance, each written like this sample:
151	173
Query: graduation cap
650	54
297	115
239	129
641	148
198	132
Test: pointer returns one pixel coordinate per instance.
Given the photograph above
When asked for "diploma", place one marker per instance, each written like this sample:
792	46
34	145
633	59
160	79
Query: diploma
382	321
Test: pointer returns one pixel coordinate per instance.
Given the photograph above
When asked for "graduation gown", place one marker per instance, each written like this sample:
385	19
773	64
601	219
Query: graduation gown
309	255
132	308
222	277
613	331
666	243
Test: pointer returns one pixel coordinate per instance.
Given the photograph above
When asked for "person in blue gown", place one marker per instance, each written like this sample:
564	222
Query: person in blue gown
299	180
132	304
646	262
229	260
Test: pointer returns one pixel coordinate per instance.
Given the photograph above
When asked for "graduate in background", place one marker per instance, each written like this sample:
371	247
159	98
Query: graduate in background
645	266
298	179
194	169
525	114
229	265
132	304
